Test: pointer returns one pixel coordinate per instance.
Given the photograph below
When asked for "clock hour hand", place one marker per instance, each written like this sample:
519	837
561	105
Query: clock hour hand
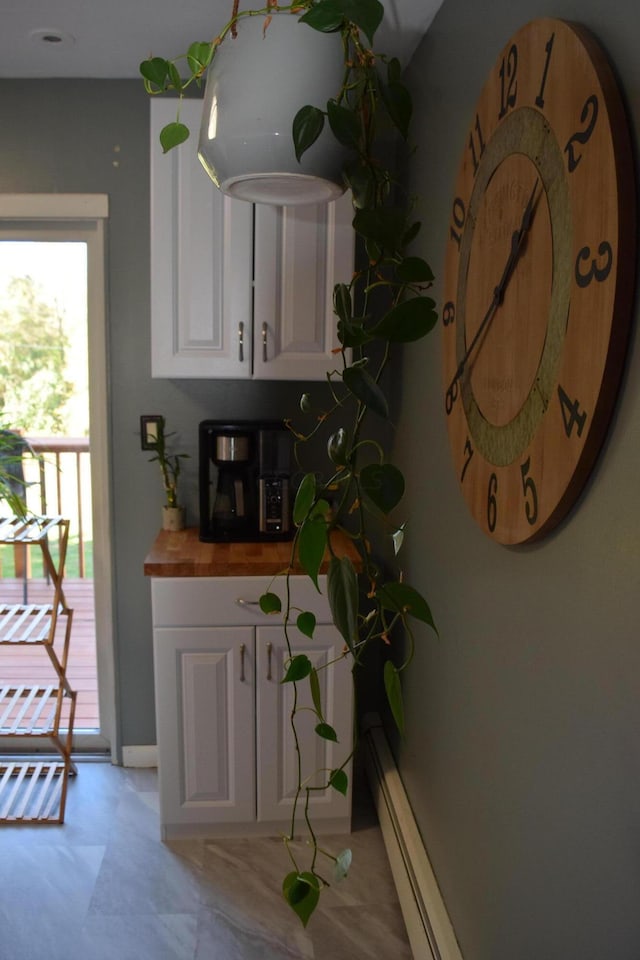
517	242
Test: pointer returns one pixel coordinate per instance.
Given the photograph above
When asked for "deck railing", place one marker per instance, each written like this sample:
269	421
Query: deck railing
58	480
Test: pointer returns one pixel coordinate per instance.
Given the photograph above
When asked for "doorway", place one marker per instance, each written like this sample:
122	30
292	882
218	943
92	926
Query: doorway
52	258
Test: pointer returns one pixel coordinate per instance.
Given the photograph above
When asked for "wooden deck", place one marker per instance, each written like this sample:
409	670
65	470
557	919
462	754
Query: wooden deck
20	665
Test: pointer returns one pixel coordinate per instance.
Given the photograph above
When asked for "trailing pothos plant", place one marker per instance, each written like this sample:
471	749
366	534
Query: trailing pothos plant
384	304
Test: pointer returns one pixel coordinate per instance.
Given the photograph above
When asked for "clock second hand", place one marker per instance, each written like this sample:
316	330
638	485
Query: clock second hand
517	242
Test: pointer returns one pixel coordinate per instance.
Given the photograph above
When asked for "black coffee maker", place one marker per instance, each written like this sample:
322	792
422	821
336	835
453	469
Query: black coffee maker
245	470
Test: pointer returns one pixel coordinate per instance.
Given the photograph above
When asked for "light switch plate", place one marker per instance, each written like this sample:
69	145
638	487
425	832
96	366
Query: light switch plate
149	430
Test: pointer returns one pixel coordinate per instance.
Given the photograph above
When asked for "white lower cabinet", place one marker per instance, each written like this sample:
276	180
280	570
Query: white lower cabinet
227	763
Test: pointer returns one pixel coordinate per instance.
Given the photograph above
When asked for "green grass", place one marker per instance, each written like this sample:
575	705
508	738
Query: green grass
72	562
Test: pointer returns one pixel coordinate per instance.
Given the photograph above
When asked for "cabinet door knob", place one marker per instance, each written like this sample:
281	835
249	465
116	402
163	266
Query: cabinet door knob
242	652
241	342
269	652
264	342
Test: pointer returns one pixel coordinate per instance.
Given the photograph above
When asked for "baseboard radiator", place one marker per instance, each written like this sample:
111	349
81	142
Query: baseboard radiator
428	926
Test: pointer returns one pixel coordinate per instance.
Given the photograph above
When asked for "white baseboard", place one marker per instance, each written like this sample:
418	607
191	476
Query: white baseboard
428	926
144	756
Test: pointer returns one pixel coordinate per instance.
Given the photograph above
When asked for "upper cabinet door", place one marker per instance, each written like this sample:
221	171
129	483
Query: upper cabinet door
300	254
201	262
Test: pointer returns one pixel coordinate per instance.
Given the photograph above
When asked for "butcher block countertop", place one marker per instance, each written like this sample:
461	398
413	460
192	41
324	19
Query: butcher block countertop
182	554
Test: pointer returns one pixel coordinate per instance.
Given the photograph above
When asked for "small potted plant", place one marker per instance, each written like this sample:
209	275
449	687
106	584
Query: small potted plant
172	512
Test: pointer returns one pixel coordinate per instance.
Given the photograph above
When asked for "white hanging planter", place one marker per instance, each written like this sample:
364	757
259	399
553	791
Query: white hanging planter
256	84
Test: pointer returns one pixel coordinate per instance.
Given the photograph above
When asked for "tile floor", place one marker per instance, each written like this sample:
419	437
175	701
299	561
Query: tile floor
104	887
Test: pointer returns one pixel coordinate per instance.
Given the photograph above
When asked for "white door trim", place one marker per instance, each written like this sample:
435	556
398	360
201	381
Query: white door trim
89	214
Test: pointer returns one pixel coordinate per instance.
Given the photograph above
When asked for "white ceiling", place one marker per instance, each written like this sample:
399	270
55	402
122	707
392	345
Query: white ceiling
109	38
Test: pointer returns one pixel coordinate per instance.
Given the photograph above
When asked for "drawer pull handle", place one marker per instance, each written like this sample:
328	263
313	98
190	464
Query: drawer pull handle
241	342
242	650
247	603
269	652
264	343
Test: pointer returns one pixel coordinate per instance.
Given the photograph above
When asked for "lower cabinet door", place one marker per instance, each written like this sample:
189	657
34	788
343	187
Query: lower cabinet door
277	760
204	687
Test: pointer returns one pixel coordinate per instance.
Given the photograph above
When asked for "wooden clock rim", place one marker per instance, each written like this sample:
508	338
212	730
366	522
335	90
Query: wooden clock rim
612	103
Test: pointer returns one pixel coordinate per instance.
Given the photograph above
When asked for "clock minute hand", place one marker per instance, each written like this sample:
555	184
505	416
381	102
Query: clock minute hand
517	242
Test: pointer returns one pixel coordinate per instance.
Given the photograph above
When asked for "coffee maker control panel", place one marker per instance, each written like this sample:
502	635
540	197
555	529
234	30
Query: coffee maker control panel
274	505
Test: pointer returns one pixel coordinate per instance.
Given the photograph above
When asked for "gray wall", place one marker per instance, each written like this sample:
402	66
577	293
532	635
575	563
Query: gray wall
93	137
522	759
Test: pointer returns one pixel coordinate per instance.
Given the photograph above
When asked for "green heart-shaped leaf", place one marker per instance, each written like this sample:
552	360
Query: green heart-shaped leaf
394	694
342	592
326	16
344	123
155	71
362	385
408	321
352	334
383	484
304	498
411	233
174	76
308	124
270	603
361	180
339	781
314	684
172	135
394	70
199	56
386	226
326	731
397	100
342	306
312	543
302	892
405	600
329	15
299	668
414	270
366	14
306	623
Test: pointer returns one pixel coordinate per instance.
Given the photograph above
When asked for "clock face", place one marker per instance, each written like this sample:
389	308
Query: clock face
538	282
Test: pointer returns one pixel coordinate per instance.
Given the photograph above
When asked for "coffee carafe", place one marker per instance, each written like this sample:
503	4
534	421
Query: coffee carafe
231	501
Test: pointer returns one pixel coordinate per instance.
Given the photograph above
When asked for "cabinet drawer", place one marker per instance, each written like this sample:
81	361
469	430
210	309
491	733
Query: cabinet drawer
229	601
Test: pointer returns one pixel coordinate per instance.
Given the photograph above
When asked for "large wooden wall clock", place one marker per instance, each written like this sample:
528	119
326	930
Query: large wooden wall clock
539	280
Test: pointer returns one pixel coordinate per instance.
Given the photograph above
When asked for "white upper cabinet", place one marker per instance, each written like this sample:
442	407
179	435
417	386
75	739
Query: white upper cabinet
238	290
300	254
201	270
